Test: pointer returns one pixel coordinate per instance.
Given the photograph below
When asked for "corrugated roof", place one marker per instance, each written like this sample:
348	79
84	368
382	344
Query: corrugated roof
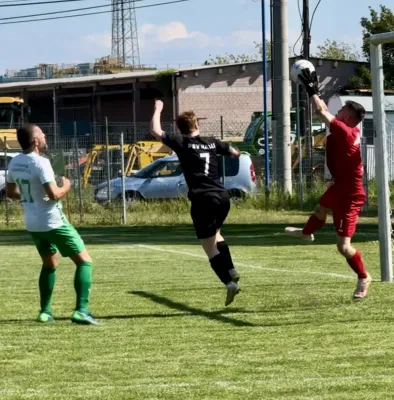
73	81
100	78
109	77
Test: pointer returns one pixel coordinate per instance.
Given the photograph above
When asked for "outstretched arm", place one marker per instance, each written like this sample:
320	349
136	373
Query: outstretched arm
234	152
311	83
225	149
322	110
155	125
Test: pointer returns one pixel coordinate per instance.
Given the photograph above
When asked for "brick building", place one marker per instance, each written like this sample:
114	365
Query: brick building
237	90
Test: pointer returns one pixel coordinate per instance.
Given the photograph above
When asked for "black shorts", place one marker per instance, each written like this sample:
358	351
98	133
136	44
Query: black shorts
208	212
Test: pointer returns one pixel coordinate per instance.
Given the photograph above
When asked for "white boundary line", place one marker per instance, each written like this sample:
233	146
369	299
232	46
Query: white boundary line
239	264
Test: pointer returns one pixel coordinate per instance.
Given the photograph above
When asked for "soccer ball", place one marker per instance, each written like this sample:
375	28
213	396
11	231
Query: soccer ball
297	68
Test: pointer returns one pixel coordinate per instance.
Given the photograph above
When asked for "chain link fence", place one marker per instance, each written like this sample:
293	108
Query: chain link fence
113	165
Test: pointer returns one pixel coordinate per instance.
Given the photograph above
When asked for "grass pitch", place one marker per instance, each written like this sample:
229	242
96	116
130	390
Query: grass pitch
292	333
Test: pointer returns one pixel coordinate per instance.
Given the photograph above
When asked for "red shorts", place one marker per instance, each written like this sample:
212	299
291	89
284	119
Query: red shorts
345	207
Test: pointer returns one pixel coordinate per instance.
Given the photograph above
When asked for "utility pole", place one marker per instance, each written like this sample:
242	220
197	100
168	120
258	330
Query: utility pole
274	167
307	127
281	81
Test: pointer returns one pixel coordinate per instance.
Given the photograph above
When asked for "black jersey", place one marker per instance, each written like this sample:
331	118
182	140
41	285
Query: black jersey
197	156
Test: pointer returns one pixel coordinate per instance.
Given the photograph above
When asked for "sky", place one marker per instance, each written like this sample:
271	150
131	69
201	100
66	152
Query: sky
178	34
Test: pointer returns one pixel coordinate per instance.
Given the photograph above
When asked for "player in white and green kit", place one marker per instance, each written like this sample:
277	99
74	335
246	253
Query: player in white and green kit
32	180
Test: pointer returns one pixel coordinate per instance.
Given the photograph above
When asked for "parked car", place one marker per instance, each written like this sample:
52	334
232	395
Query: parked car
164	179
10	156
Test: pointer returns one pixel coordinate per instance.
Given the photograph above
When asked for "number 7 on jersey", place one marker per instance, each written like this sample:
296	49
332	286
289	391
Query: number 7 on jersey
205	156
25	191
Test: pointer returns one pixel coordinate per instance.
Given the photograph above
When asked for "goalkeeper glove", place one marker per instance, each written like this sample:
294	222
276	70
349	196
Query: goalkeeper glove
310	81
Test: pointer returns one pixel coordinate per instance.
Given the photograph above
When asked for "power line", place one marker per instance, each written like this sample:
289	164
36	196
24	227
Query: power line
295	44
302	23
12	1
299	9
313	14
63	11
37	3
86	14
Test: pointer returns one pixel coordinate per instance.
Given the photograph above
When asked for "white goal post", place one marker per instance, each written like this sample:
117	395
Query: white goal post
381	153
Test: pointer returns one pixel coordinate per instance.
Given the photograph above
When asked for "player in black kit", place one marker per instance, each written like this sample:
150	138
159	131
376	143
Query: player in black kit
210	203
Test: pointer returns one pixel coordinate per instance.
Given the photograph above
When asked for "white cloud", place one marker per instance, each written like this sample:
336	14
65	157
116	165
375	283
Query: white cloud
174	43
152	36
177	35
171	31
97	44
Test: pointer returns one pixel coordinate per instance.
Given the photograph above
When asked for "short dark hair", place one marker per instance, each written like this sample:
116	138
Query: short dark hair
25	136
357	108
187	122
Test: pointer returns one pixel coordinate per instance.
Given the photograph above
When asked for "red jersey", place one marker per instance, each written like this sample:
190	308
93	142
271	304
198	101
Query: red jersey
343	157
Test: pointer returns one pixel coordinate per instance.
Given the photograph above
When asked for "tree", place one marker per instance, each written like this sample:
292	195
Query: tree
362	79
259	47
230	59
378	22
338	51
239	58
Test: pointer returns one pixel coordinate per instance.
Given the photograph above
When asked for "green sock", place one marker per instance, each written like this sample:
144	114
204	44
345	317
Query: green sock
82	285
46	284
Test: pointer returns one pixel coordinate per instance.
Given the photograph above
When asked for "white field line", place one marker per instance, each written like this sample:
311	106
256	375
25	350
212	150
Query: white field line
238	264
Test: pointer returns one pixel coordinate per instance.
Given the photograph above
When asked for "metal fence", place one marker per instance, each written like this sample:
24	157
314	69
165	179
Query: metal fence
103	165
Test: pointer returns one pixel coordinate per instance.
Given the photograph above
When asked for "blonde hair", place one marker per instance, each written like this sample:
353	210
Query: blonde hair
187	122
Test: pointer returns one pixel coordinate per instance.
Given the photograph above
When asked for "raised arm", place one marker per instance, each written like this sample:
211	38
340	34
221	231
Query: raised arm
322	110
311	84
155	125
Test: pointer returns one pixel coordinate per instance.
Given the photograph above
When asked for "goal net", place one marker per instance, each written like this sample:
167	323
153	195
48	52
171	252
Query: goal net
384	156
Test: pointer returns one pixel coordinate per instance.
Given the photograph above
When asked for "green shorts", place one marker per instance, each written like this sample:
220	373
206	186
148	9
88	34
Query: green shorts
65	240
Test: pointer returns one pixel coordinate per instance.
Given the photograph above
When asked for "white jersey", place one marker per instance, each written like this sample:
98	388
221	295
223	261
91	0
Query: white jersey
30	172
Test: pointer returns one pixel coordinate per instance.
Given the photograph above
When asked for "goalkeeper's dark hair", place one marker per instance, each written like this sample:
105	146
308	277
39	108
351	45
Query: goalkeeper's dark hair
25	136
357	108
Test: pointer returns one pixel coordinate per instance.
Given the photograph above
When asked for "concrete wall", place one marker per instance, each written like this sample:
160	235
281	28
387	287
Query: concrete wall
233	94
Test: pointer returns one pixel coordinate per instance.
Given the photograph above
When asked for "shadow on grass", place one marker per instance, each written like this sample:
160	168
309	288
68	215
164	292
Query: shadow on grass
215	316
186	312
236	235
219	316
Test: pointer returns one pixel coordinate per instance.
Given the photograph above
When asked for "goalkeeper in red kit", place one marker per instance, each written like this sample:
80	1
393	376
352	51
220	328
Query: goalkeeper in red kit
345	196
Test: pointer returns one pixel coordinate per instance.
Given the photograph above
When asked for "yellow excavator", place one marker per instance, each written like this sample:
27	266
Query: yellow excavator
12	113
137	156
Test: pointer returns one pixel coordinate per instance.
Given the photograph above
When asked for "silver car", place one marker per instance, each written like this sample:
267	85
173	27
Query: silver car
164	179
3	163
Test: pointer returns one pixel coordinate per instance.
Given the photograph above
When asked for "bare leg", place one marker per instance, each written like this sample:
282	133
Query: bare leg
316	221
